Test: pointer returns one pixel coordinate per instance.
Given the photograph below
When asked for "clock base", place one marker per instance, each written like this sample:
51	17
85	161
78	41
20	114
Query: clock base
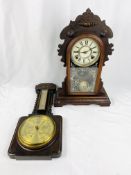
62	99
53	150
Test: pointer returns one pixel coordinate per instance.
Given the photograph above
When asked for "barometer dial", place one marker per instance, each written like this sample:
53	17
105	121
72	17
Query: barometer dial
36	131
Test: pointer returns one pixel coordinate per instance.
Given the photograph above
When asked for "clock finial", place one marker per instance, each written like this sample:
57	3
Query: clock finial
87	22
88	10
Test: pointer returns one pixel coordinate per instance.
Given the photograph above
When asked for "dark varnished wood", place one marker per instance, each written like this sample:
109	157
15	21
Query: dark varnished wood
62	99
49	102
52	150
85	25
54	147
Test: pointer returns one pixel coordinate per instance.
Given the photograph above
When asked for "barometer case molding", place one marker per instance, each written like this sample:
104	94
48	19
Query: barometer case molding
24	145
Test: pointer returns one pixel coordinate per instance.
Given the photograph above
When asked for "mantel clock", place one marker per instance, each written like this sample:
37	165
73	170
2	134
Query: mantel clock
84	51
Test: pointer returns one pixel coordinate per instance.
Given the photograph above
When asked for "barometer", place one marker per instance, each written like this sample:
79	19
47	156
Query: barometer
39	135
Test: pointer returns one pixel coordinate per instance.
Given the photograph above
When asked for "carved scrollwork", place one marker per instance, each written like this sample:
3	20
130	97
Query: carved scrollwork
87	23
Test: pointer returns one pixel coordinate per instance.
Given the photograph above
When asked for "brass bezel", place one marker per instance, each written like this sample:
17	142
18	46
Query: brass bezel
28	145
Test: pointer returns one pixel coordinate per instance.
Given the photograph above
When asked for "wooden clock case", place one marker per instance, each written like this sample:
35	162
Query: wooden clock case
85	25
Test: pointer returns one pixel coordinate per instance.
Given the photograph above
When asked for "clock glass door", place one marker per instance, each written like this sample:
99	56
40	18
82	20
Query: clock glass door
84	60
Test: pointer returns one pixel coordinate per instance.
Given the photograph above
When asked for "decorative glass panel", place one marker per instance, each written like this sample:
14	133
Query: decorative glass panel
83	79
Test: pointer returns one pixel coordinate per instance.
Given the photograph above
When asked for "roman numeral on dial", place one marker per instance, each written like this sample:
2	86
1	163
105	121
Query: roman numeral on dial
76	57
94	51
77	47
79	59
93	47
83	61
86	42
81	43
76	51
92	57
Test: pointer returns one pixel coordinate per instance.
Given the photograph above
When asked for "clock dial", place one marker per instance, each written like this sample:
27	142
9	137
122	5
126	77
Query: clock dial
85	52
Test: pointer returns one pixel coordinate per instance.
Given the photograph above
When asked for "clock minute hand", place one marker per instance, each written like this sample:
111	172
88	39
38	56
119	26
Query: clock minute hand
84	52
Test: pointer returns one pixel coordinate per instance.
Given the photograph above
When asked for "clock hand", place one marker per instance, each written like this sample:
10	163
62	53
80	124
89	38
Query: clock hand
85	51
92	48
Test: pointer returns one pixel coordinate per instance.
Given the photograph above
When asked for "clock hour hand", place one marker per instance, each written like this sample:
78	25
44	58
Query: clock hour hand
85	51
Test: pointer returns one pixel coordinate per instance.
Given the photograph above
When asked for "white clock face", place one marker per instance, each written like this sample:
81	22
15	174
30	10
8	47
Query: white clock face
85	52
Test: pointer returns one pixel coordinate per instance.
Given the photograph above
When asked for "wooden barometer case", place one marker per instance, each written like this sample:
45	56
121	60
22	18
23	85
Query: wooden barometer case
84	51
39	135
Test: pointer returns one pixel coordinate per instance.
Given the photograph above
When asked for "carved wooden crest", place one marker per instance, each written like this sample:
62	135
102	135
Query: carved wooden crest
84	24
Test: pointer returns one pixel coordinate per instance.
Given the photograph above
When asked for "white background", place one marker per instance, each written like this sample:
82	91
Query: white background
96	140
